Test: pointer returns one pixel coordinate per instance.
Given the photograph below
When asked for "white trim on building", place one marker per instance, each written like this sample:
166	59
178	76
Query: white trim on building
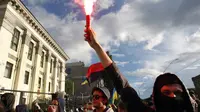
24	57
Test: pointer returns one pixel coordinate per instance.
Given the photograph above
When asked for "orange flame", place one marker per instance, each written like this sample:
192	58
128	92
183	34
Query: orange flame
88	6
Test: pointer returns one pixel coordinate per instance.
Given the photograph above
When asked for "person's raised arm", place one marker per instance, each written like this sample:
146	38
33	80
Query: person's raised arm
90	37
113	72
128	94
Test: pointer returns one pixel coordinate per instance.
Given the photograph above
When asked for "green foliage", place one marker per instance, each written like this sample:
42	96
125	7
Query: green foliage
69	87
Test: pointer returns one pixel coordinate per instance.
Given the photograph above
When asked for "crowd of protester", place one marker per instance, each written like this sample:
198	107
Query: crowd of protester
169	93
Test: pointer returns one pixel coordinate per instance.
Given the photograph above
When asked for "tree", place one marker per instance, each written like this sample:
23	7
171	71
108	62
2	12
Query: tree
69	87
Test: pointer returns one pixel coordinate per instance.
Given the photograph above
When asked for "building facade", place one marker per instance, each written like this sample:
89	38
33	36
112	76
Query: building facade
30	59
76	72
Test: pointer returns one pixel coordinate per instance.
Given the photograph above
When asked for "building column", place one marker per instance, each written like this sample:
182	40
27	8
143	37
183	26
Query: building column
26	38
55	73
36	71
46	73
62	77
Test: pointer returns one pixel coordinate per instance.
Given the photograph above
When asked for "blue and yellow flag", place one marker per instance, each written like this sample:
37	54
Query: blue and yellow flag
84	82
114	96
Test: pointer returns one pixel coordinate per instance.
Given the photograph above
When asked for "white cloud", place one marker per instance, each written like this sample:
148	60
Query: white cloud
118	55
119	63
191	68
35	2
197	65
68	32
137	83
137	62
155	41
143	72
163	29
104	4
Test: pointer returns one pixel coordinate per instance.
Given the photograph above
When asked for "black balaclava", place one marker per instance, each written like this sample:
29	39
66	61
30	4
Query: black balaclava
181	103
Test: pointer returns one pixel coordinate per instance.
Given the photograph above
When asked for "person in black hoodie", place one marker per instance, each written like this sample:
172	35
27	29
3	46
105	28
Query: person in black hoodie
169	93
7	102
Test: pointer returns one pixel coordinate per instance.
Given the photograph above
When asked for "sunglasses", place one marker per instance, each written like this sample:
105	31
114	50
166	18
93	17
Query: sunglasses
96	97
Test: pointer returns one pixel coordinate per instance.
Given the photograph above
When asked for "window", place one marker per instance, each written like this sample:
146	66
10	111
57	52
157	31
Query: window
8	71
58	72
49	86
26	77
68	71
61	68
15	40
39	82
51	64
30	51
42	60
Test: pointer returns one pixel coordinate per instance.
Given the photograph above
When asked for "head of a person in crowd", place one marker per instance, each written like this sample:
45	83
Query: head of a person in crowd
170	95
54	102
54	96
100	97
8	100
90	107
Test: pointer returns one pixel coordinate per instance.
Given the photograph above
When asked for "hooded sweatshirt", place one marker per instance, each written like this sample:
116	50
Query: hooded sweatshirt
131	99
163	103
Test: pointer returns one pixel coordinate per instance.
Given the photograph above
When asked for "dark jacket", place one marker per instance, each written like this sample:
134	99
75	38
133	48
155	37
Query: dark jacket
21	108
130	97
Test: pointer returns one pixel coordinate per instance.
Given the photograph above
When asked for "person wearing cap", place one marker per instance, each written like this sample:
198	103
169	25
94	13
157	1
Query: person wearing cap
169	93
100	98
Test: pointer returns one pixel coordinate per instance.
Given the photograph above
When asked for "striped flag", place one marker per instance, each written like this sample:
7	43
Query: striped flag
95	72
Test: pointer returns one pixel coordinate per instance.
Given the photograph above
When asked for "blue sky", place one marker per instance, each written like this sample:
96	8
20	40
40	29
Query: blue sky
144	36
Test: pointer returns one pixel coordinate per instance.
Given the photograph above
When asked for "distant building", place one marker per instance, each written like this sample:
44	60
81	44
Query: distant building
76	72
196	81
30	59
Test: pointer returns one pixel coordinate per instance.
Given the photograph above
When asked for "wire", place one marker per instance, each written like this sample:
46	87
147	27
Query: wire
170	64
188	65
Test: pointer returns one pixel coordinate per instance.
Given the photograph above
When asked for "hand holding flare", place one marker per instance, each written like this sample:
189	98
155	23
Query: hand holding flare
88	24
90	37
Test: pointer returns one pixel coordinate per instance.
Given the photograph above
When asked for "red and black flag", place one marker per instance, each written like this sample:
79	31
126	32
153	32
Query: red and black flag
95	72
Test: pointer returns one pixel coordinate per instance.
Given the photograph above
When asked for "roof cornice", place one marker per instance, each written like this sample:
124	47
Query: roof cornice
35	24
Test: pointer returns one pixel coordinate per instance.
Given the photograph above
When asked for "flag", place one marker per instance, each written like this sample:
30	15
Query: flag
95	72
114	96
84	82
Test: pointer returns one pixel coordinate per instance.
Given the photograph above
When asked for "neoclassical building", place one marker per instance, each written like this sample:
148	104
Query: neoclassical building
30	58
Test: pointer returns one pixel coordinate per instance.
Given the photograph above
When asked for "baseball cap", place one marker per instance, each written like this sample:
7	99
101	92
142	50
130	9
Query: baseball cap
104	90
